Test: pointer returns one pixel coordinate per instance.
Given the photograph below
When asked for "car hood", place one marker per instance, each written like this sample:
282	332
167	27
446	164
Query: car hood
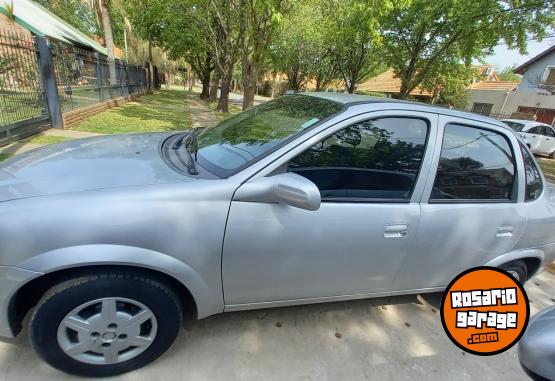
85	164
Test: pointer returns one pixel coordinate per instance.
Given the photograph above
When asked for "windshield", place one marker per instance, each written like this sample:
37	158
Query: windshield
243	139
514	125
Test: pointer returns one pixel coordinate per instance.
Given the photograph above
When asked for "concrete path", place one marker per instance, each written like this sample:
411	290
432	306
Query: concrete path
397	339
201	115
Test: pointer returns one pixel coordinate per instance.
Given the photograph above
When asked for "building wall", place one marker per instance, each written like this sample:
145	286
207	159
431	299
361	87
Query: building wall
514	100
534	72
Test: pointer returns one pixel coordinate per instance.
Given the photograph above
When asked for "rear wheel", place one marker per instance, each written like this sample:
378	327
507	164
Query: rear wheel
105	324
517	269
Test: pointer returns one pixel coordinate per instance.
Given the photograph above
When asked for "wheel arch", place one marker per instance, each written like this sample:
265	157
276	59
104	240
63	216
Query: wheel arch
61	264
533	258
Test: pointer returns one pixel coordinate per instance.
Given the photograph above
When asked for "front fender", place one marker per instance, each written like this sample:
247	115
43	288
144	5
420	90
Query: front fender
209	300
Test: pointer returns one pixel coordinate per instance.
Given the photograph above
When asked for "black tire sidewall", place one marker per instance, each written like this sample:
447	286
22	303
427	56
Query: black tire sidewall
49	314
519	267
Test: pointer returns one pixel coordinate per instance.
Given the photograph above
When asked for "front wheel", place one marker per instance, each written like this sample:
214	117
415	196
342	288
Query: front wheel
105	324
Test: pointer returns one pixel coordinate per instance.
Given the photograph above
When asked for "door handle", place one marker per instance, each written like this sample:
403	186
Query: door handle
505	231
396	231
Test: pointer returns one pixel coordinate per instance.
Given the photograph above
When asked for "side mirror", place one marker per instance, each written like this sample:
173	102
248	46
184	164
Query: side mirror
288	188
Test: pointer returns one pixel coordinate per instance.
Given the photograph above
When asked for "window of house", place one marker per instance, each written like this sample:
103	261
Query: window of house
549	76
482	108
373	160
475	164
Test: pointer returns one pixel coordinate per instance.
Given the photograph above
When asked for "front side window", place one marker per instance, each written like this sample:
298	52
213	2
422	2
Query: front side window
243	139
475	164
534	183
374	160
549	132
537	130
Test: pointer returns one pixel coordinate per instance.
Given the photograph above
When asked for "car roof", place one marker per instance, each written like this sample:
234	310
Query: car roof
527	123
357	99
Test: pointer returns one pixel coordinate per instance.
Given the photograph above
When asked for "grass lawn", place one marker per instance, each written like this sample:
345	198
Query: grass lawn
232	107
45	139
166	110
4	156
547	165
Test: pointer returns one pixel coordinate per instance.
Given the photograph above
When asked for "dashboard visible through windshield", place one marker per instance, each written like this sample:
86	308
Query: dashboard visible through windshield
245	138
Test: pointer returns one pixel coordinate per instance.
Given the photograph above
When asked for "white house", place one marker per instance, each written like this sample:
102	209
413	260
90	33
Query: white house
533	98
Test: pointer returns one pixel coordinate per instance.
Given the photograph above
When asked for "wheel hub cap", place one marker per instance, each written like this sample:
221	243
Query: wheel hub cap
107	331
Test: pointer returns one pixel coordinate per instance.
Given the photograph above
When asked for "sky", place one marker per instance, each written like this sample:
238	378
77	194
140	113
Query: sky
504	57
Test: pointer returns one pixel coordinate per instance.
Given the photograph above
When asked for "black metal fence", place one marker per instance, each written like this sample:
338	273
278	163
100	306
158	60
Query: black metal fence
21	94
82	78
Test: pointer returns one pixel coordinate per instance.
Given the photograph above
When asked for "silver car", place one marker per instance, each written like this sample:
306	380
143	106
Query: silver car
108	242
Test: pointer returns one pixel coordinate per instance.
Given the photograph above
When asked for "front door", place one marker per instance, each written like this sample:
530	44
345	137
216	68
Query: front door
354	244
470	210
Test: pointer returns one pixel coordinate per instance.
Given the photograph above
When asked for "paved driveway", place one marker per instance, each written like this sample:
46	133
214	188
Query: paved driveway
397	338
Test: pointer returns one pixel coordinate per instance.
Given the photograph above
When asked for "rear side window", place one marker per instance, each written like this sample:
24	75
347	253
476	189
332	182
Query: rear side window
374	160
475	165
534	183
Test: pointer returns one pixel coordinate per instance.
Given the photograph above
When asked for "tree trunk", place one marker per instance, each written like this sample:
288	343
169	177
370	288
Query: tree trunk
223	102
205	94
404	90
214	87
109	41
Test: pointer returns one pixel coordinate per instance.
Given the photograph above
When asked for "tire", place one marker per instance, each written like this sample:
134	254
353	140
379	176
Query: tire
69	327
517	269
551	155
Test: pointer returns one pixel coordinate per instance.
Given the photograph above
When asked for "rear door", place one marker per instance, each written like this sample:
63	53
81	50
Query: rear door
472	206
547	141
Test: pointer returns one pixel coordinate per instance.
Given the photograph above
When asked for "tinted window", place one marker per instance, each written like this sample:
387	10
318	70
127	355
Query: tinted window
475	164
533	178
514	125
535	130
549	132
244	138
371	160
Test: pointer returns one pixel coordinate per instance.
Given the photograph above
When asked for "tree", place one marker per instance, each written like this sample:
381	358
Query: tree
76	13
421	35
102	8
222	22
259	20
300	46
448	84
508	74
356	42
179	30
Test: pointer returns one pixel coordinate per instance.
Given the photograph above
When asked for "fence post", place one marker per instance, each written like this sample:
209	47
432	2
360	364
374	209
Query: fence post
48	76
99	77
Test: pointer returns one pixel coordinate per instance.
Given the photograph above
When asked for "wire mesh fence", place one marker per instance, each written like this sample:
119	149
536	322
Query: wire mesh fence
21	93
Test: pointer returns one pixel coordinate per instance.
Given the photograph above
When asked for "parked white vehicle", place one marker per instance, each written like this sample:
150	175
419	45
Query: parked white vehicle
539	137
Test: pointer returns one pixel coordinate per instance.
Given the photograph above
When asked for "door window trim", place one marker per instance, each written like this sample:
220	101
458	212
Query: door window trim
515	186
365	200
298	146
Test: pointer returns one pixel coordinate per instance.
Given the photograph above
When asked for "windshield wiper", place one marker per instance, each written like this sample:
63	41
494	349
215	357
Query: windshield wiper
190	141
